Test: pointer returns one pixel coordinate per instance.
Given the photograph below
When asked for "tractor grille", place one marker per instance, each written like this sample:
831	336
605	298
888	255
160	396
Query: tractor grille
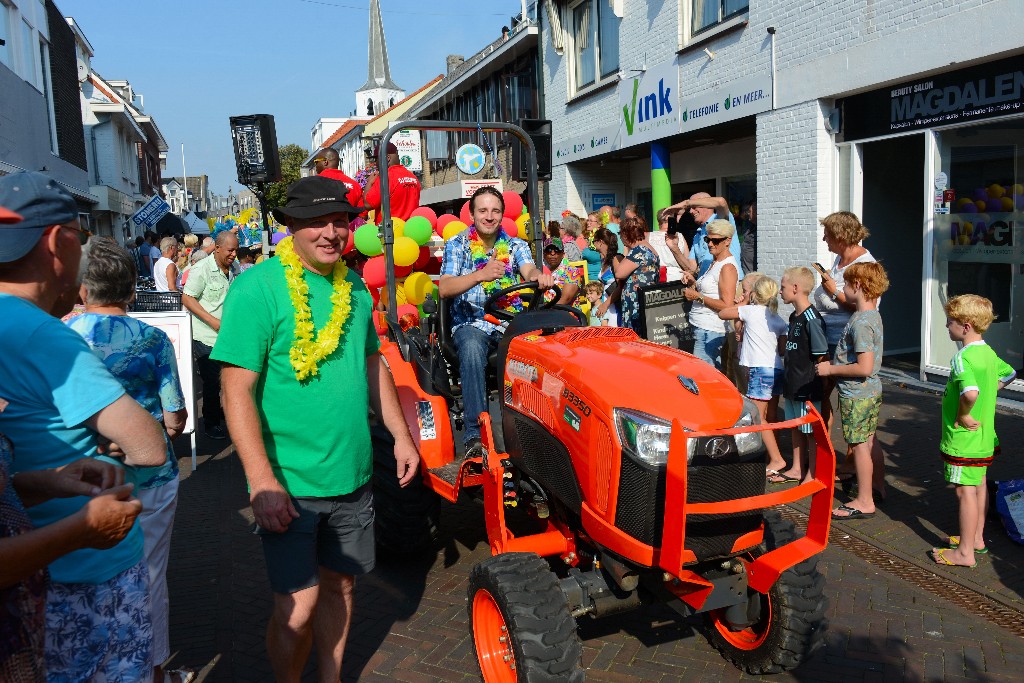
547	460
641	504
711	536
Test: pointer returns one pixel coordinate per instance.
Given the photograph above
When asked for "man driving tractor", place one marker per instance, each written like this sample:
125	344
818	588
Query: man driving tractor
478	262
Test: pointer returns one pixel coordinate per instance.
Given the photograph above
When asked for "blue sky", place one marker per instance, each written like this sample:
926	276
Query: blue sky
197	63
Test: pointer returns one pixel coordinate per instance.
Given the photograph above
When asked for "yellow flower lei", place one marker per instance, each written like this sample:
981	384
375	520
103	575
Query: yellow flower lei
306	352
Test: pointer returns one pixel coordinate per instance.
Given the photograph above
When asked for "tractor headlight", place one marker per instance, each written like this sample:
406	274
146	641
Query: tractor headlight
749	442
645	436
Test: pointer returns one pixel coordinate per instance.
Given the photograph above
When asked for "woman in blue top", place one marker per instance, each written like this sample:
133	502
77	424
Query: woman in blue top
640	268
591	255
607	246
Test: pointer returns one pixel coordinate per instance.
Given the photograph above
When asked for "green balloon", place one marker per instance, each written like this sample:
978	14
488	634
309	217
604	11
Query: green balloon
367	241
418	228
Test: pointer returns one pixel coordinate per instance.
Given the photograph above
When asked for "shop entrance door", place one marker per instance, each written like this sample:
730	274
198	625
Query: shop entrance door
893	175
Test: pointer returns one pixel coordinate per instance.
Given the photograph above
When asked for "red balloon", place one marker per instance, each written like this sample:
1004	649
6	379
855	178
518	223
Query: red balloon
375	295
373	272
410	310
427	213
350	242
513	204
402	271
422	259
465	216
443	220
510	227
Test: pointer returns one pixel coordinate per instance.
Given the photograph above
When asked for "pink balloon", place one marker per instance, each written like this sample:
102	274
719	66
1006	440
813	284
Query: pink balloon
427	213
513	204
465	216
373	272
510	227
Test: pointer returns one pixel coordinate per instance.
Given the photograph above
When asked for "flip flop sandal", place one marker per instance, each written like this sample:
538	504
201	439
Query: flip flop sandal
783	478
179	676
938	556
851	513
954	543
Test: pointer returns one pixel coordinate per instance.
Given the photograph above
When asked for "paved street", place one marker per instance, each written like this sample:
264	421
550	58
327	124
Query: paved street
411	623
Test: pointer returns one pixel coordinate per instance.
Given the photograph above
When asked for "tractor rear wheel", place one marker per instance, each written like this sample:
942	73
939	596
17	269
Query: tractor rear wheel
405	519
791	626
522	628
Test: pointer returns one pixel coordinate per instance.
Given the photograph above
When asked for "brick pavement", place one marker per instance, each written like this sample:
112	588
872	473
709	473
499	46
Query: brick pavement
411	625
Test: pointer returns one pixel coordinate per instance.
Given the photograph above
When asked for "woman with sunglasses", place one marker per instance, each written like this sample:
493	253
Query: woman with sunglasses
715	290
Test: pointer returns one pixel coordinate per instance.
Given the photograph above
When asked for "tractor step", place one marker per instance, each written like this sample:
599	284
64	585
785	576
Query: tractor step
450	473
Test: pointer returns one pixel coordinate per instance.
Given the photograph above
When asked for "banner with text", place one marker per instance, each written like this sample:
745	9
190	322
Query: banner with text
733	100
649	105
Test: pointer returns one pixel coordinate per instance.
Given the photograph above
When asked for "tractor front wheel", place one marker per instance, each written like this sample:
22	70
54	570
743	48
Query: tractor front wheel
791	623
523	631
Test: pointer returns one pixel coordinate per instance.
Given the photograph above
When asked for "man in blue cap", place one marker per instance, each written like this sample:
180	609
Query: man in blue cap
58	404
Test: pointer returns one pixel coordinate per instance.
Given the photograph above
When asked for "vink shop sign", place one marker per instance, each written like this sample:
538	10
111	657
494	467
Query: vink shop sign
734	100
967	95
649	105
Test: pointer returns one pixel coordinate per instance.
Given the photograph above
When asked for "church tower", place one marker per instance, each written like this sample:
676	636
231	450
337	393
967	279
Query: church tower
379	92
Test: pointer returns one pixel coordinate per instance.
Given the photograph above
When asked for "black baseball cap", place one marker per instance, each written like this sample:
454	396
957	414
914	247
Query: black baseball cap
40	202
315	196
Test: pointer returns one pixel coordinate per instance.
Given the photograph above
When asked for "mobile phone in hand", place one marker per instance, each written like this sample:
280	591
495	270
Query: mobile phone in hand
821	268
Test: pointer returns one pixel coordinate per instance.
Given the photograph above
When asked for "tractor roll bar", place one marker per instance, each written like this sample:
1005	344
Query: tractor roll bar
386	226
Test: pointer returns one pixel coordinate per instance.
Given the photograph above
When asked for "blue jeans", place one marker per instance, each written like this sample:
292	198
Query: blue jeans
474	346
707	346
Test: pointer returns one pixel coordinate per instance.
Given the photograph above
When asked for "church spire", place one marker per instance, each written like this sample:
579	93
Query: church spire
379	76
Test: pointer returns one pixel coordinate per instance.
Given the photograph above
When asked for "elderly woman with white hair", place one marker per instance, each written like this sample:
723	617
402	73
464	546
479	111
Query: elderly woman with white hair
165	270
570	230
715	291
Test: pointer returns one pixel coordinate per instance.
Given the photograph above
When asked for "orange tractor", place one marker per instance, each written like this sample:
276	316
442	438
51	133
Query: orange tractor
644	482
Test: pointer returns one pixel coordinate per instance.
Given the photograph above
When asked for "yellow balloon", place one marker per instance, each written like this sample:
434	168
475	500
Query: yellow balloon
399	226
406	251
453	229
417	288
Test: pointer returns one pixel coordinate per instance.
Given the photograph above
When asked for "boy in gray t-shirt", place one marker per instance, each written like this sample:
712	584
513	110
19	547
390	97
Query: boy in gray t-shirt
856	364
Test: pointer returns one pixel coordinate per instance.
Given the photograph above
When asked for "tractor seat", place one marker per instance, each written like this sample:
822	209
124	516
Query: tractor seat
451	352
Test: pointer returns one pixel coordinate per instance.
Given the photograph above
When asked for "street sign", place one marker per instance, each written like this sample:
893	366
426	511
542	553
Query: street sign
471	186
470	159
155	209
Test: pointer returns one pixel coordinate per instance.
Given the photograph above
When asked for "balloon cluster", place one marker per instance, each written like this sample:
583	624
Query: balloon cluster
995	198
414	257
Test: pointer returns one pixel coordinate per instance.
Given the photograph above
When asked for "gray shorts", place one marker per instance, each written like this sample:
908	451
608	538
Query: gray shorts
336	533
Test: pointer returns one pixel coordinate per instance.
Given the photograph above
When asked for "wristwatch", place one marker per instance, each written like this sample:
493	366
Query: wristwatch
701	300
835	296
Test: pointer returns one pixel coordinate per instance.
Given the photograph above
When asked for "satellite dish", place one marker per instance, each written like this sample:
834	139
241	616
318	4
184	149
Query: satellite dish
83	71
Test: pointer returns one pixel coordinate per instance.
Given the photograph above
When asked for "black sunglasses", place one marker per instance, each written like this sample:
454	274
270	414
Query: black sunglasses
708	239
83	234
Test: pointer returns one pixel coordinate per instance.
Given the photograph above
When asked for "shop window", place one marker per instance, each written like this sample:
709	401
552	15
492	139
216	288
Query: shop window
706	14
51	119
978	233
594	34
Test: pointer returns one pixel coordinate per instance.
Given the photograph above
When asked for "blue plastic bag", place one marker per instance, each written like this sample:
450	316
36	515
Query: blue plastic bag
1010	506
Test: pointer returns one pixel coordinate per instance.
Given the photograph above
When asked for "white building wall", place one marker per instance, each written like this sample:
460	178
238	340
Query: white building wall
823	50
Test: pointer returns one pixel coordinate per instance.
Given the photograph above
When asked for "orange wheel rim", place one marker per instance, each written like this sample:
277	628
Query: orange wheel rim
749	638
490	634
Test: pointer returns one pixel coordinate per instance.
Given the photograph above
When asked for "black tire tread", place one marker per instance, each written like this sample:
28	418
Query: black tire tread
542	630
798	604
405	519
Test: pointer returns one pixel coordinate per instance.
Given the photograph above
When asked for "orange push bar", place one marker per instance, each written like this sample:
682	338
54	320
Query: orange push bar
766	569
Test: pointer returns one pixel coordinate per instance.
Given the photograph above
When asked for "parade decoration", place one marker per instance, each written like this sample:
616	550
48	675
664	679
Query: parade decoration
307	352
513	204
510	227
406	251
521	223
427	213
367	241
418	287
374	273
442	221
502	253
465	215
418	228
453	229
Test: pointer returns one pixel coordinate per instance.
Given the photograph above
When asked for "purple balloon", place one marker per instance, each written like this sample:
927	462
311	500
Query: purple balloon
980	195
1018	202
968	207
276	237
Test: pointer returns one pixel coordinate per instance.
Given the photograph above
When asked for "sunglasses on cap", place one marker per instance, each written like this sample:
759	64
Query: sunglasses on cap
83	234
708	239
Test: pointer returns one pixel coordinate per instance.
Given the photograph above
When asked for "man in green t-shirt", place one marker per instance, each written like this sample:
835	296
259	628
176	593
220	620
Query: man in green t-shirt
301	371
969	439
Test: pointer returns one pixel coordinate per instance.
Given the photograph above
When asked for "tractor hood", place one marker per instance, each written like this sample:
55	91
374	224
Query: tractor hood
613	368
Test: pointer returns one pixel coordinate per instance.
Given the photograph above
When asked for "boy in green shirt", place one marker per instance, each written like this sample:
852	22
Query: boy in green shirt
968	422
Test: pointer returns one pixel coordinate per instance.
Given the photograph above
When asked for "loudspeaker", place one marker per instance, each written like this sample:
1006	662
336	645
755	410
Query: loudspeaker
255	142
539	131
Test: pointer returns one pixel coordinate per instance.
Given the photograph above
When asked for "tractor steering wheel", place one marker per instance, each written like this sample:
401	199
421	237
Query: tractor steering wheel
535	301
